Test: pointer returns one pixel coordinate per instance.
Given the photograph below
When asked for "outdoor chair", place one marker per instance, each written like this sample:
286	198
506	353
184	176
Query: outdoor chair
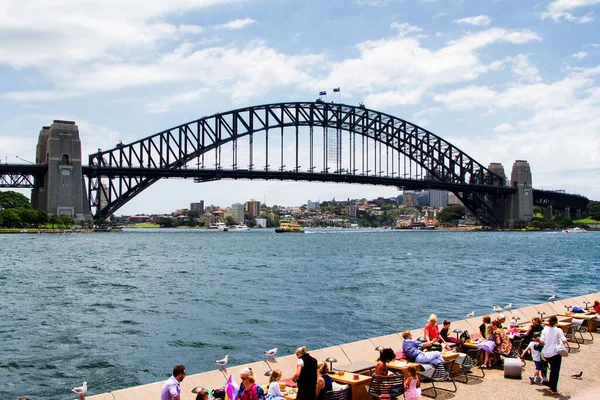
570	336
580	326
393	385
342	394
466	363
441	373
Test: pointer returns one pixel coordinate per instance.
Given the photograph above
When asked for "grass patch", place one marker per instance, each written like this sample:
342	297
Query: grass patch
587	220
144	225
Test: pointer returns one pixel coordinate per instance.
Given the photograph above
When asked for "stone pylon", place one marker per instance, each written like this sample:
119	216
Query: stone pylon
519	205
63	192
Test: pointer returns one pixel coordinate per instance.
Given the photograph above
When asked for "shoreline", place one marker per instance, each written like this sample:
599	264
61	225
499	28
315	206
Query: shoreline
494	384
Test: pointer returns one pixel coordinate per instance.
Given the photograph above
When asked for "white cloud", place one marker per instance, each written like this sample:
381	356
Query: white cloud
235	24
524	69
405	28
373	3
480	20
165	104
561	10
505	127
580	55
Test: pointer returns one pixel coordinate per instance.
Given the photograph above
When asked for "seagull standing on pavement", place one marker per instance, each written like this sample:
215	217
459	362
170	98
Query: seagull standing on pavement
508	306
471	314
222	362
496	308
271	353
552	298
80	390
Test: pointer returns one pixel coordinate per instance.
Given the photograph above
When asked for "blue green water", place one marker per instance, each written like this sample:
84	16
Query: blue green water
121	309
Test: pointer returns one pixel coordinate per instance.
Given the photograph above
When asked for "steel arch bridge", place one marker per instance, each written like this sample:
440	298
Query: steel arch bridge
335	142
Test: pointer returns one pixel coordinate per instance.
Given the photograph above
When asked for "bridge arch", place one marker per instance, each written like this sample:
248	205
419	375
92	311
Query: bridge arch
416	155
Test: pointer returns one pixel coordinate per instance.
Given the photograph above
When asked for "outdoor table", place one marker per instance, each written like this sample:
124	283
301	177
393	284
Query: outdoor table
357	386
565	326
401	365
592	323
358	367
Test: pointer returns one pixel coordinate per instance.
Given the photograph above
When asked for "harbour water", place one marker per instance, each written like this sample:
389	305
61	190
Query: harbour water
121	309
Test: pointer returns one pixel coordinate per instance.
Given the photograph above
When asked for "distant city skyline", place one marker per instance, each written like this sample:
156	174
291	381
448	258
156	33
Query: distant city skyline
502	80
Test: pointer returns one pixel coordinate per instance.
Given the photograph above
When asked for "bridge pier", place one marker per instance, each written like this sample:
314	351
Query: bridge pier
519	205
567	213
548	213
63	192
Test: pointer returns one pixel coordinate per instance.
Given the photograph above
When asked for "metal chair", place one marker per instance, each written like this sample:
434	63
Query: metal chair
342	394
467	363
570	336
393	385
441	373
580	326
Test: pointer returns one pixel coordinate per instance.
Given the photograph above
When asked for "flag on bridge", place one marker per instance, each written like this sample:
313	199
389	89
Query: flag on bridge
323	93
336	90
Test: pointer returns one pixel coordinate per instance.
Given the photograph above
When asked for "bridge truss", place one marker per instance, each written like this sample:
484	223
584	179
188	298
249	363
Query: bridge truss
273	141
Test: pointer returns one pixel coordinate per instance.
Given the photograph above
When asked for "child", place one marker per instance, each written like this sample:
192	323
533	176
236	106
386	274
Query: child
203	394
274	392
534	347
488	346
412	391
513	328
445	331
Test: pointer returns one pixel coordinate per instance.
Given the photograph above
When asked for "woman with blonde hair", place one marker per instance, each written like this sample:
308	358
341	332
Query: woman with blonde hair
249	390
306	375
432	334
324	381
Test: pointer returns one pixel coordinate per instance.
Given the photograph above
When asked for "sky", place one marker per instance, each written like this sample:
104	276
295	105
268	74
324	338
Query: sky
503	80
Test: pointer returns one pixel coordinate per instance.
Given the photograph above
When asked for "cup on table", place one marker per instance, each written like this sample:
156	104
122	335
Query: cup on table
355	377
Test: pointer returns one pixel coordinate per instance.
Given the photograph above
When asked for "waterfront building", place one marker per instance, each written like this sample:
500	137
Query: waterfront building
438	198
260	222
197	207
410	199
452	199
351	209
252	208
237	212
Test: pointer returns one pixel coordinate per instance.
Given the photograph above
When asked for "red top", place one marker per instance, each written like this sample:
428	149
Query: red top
431	332
597	308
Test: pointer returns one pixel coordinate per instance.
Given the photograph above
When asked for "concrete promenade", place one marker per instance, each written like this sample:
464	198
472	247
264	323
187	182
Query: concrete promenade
494	385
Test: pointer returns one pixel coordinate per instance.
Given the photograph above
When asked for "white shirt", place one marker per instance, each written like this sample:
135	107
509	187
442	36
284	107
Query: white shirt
535	355
300	362
551	336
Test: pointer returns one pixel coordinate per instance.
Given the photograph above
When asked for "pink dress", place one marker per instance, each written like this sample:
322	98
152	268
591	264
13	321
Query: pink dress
413	392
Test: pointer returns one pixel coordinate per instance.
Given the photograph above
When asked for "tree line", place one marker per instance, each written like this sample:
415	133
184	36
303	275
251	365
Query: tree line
16	212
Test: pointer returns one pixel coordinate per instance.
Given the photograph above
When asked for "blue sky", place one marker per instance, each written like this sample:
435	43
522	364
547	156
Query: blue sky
503	80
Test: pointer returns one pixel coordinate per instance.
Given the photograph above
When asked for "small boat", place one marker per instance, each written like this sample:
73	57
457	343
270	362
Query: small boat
239	228
574	230
287	226
222	227
212	227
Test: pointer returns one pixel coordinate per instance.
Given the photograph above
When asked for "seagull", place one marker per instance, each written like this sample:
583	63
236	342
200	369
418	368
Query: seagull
271	353
497	308
508	306
471	314
80	390
223	361
552	298
577	376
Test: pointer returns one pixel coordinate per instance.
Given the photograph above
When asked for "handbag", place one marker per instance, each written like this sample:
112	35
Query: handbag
560	347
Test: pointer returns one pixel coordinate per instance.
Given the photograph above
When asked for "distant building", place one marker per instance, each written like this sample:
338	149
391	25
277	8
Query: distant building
313	205
260	222
452	199
351	209
438	198
211	209
197	207
136	219
237	212
252	208
410	199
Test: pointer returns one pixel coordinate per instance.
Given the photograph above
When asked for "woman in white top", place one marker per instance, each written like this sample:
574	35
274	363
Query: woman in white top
552	336
274	390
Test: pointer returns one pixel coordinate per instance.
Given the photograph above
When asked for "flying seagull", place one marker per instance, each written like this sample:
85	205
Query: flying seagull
552	298
508	306
577	376
471	314
271	353
80	390
497	308
223	361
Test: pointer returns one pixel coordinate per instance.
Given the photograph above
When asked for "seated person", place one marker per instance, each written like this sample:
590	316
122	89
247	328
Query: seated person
503	343
483	327
501	318
324	381
432	333
414	351
514	331
535	327
385	356
444	334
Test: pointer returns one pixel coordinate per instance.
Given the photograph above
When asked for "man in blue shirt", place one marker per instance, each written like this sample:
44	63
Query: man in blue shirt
171	390
414	351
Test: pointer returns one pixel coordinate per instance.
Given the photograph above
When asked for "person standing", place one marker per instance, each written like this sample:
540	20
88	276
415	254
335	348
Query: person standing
550	338
171	390
306	375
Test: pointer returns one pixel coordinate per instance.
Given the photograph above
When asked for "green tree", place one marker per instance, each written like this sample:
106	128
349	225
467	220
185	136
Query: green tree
67	221
452	213
10	199
230	220
594	210
167	222
10	218
53	220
